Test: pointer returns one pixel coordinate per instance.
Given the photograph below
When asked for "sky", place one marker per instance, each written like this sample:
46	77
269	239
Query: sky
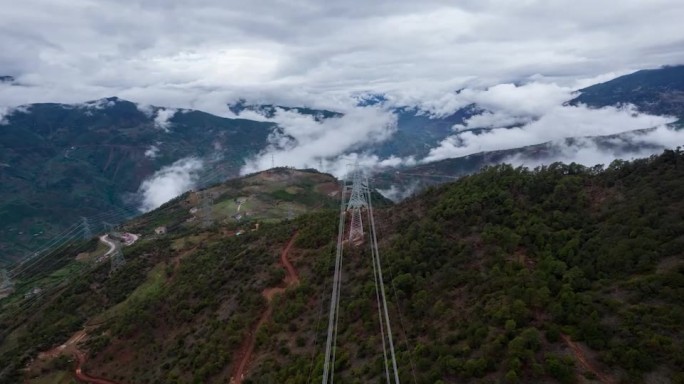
521	60
200	54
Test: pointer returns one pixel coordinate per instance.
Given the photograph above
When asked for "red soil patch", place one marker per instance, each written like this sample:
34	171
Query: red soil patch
84	377
70	347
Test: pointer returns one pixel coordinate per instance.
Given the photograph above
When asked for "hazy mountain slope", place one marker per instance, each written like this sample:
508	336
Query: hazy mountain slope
654	91
508	274
59	162
270	110
407	180
416	131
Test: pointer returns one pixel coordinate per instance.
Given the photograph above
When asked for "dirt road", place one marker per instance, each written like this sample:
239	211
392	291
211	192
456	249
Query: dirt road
82	376
70	347
112	246
584	361
247	349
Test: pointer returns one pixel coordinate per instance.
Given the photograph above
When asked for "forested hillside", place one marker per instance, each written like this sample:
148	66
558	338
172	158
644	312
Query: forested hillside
559	274
60	162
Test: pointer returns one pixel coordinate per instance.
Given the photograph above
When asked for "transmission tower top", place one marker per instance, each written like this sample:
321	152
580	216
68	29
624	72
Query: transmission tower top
207	202
357	202
357	199
118	260
5	281
87	233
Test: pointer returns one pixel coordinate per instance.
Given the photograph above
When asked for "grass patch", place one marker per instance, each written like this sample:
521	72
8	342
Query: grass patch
59	377
156	278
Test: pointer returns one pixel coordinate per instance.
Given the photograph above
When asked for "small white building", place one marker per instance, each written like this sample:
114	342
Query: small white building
160	230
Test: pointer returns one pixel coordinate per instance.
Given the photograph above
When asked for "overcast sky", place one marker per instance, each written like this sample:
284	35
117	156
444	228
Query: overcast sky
199	54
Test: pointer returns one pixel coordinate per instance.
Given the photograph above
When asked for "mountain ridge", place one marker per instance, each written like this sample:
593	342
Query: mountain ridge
508	274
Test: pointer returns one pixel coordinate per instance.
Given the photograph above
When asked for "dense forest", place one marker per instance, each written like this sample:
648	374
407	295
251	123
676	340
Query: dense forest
563	273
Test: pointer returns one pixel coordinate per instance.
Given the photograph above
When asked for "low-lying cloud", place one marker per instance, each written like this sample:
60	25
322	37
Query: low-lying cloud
304	142
152	151
169	182
163	117
518	116
604	150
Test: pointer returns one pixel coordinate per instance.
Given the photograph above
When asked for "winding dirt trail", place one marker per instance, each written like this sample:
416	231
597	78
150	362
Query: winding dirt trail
70	347
84	377
584	361
247	349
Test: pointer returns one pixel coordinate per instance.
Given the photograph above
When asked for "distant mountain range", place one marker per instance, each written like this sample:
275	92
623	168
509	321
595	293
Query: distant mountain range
654	91
60	162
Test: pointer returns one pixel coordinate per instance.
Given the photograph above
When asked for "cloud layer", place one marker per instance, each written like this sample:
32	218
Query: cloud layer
590	152
169	182
518	116
203	54
305	142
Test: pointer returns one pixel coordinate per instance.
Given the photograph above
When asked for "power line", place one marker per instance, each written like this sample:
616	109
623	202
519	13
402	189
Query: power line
87	233
334	299
359	202
376	259
206	209
117	258
5	281
58	244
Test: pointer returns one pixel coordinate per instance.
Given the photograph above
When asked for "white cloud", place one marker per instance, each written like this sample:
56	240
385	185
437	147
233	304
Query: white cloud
204	54
169	182
163	117
397	194
146	109
97	104
305	142
588	152
152	151
547	122
6	112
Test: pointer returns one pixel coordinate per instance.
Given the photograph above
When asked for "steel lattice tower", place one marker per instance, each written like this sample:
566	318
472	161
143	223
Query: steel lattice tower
360	203
110	229
207	202
117	258
5	281
357	202
87	233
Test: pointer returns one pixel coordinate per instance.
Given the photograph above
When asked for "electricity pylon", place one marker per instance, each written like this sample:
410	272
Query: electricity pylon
207	202
357	202
290	212
117	258
87	233
5	281
110	229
